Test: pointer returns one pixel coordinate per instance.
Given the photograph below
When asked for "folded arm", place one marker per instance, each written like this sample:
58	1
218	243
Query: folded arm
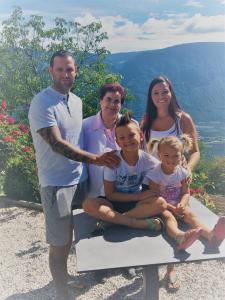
113	195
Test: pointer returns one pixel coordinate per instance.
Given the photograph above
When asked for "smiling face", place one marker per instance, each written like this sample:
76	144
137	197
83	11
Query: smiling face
110	105
161	95
128	137
170	157
63	73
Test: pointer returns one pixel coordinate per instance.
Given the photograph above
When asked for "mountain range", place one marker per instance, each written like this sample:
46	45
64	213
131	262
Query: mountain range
196	70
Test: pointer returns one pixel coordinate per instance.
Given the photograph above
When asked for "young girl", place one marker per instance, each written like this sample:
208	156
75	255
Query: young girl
169	180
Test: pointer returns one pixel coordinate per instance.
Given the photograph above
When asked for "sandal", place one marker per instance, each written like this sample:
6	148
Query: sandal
219	231
152	225
189	238
100	227
171	281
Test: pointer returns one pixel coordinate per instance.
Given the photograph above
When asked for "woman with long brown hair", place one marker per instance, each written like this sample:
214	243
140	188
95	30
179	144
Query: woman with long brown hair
164	117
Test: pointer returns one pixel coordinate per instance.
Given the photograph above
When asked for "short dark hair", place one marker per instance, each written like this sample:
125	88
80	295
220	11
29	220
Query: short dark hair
125	119
112	87
61	53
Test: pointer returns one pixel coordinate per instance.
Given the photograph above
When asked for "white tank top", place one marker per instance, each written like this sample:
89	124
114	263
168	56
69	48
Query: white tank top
172	131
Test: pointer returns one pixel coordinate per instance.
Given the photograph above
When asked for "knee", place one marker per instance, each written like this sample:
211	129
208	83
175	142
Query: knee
188	214
168	216
161	203
88	205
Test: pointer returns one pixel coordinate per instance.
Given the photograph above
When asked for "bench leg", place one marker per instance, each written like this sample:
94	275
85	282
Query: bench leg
151	282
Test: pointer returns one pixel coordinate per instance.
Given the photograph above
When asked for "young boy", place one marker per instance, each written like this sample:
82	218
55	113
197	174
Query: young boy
124	202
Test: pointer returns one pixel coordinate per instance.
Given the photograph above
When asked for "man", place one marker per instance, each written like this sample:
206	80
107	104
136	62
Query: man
55	118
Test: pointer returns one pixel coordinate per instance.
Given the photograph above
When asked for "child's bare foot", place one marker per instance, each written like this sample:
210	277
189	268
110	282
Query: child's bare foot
187	238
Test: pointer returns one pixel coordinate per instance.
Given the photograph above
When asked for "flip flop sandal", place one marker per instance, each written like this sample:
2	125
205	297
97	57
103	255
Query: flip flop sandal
172	282
190	239
152	225
100	227
219	231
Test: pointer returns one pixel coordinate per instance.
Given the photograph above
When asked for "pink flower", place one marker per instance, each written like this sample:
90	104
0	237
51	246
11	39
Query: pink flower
8	139
2	116
10	120
4	104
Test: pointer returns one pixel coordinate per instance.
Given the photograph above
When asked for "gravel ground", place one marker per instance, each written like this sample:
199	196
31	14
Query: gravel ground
24	273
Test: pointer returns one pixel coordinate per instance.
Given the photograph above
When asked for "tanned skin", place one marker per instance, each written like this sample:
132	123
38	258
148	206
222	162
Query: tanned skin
64	71
53	137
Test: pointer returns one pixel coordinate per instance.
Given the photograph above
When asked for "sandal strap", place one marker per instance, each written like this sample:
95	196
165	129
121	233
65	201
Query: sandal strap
151	223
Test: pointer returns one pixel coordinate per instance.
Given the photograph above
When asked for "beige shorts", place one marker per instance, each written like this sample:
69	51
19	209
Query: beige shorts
57	206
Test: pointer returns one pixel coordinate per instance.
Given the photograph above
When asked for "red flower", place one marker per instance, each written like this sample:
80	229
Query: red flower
10	120
27	158
8	139
15	133
27	149
4	104
196	191
23	128
2	116
199	190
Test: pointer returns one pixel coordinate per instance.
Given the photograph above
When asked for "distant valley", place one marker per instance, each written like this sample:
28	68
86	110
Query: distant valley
197	72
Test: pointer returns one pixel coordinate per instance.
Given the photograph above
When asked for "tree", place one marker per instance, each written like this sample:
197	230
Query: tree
26	45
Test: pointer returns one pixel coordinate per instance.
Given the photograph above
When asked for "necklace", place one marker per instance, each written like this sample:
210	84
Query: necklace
109	124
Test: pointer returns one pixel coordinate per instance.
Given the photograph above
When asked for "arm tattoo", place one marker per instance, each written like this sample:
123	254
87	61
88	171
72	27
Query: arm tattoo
54	139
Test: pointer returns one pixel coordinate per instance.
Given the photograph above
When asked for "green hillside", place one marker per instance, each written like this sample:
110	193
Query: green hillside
197	72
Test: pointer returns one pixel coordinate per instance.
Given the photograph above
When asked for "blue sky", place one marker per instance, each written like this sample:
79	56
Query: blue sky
134	25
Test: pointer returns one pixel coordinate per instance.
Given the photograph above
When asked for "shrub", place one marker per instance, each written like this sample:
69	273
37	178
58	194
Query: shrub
20	181
17	164
199	185
216	175
203	197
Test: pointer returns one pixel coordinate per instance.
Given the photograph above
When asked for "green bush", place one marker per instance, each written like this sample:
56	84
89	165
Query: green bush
216	174
21	181
17	164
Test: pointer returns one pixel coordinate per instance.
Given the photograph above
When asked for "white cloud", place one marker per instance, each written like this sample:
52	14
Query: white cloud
223	2
194	3
206	24
125	35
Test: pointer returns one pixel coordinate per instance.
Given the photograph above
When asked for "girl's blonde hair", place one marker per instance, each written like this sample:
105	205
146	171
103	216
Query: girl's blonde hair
183	144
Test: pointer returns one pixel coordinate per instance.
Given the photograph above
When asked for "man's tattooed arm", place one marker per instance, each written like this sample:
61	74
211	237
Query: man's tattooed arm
53	137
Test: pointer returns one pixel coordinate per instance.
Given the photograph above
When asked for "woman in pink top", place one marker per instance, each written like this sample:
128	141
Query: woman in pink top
99	137
99	131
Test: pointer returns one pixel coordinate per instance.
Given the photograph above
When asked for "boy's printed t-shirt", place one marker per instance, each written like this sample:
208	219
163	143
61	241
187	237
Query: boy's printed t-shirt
169	185
128	179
